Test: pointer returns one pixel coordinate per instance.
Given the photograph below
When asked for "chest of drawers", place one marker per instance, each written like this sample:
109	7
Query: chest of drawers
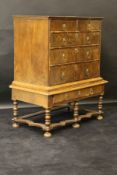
56	61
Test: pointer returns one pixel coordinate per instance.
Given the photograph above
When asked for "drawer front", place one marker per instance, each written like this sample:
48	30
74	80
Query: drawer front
72	55
78	94
89	25
61	74
88	53
91	70
73	39
63	39
87	70
95	25
96	53
90	38
63	25
62	56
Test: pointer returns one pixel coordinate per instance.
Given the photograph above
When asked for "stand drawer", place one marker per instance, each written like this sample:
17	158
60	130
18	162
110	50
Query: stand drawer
78	94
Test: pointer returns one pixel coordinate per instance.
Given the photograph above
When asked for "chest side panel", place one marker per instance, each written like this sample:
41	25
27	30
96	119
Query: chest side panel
31	50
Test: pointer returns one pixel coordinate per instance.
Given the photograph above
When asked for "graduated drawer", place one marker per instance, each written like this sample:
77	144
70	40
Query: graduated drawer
76	54
87	53
73	72
87	70
78	94
63	25
73	39
61	74
75	25
63	55
89	25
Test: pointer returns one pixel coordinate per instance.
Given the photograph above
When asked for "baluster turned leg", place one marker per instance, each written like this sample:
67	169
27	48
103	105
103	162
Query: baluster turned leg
100	116
15	114
70	106
76	114
47	133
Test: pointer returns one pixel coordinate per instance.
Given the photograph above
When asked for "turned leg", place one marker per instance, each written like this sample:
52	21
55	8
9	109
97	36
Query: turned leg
76	114
47	133
70	106
15	114
100	116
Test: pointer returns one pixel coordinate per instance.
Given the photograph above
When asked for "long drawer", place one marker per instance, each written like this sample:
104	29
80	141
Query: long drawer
76	54
74	72
65	39
78	94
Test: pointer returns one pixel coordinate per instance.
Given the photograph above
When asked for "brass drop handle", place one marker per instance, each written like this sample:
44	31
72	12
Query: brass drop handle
79	92
63	55
87	72
88	52
91	91
76	50
64	40
64	26
87	38
62	75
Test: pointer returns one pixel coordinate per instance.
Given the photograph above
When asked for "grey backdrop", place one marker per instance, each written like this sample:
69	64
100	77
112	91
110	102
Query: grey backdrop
104	8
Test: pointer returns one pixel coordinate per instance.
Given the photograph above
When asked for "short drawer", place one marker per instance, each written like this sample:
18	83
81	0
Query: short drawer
61	74
90	38
95	25
89	25
63	25
87	53
78	94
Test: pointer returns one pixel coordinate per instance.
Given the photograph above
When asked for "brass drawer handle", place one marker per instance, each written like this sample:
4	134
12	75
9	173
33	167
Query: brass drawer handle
88	52
63	55
62	75
64	40
76	50
64	26
79	93
91	91
87	38
87	72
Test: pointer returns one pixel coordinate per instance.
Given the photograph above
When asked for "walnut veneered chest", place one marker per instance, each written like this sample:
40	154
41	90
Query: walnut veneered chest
56	61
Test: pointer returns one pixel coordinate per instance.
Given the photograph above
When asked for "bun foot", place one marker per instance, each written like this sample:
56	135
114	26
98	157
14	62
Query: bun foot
15	125
76	125
47	134
100	117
